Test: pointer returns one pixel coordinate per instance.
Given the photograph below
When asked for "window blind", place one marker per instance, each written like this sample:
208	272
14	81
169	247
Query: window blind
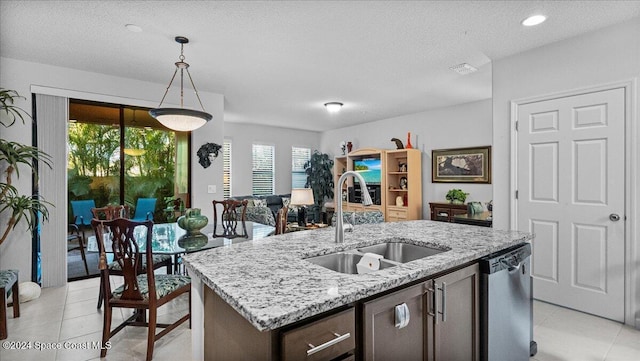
263	169
299	156
226	168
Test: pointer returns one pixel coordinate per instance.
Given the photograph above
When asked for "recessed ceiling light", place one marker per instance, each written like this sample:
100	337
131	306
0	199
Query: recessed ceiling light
133	28
333	107
534	20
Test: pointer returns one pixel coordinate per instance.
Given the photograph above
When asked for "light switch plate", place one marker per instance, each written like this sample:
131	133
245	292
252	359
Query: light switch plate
211	188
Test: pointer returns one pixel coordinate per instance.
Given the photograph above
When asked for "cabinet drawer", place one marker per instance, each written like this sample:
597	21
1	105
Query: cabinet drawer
324	339
397	214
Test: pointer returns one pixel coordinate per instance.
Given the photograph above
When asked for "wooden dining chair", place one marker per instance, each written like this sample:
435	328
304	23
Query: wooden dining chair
142	292
232	212
111	212
75	241
159	261
281	220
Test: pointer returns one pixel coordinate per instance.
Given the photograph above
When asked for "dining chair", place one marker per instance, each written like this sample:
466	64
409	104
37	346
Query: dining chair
233	211
111	212
281	220
8	283
82	213
140	291
75	241
144	209
159	261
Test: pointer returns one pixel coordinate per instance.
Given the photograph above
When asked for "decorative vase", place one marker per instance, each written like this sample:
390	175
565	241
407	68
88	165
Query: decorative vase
349	146
457	201
192	221
408	146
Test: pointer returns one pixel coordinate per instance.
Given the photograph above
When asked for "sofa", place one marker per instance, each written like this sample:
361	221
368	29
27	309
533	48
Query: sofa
263	209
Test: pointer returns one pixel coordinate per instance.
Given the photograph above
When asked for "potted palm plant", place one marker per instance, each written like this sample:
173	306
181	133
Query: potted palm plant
319	178
12	156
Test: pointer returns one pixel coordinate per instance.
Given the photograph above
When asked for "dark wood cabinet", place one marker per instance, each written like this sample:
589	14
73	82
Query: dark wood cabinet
453	318
393	326
444	212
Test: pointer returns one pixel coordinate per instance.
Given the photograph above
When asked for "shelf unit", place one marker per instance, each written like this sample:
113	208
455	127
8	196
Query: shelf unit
390	189
403	179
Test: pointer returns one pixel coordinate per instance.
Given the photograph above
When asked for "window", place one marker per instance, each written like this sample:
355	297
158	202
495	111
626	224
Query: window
263	169
226	168
299	156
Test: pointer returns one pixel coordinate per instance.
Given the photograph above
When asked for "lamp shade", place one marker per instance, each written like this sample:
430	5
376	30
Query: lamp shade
180	119
302	196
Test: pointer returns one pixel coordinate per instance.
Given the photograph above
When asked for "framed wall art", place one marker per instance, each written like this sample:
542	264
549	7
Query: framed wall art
462	165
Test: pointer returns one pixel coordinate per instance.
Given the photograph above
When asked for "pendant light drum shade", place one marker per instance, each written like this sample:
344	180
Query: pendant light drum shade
181	119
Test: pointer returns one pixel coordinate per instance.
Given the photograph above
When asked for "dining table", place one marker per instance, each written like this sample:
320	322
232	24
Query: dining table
170	239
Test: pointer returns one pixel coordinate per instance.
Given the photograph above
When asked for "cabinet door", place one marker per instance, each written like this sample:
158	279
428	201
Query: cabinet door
453	320
385	336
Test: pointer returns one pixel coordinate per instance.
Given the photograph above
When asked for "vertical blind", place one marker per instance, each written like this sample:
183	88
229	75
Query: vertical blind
299	156
226	168
263	169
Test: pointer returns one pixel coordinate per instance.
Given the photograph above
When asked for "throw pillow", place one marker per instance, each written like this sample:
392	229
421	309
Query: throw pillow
250	202
260	202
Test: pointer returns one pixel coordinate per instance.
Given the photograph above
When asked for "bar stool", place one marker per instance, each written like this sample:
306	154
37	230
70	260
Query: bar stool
8	283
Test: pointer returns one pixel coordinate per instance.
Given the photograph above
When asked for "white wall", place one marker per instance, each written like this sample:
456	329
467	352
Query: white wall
15	252
464	125
605	56
244	135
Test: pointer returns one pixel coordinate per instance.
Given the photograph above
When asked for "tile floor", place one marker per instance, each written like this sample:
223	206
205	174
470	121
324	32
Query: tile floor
69	314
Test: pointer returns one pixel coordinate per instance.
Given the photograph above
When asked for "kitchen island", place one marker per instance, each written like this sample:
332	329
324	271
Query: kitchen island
269	284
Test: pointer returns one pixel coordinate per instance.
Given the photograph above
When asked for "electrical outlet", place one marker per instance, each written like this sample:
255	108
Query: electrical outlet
211	188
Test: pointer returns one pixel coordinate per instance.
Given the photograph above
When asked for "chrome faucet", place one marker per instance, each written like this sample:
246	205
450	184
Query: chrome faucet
366	200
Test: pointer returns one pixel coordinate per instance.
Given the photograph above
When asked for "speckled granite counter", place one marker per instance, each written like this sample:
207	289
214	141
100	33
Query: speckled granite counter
270	284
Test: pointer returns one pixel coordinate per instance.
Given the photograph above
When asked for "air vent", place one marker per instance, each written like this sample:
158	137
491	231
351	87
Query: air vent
463	69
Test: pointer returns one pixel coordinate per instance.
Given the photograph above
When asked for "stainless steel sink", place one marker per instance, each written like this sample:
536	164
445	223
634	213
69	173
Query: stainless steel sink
343	262
401	252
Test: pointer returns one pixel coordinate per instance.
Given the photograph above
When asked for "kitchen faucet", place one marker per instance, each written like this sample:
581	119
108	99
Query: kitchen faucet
366	200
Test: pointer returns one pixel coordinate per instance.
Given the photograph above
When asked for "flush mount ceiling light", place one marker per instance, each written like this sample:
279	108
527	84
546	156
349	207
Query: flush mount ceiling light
333	107
133	28
181	119
464	68
534	20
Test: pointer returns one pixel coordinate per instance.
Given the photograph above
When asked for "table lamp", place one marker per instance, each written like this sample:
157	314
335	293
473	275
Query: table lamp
302	197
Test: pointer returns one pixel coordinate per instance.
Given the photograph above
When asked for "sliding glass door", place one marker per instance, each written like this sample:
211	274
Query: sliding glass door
119	154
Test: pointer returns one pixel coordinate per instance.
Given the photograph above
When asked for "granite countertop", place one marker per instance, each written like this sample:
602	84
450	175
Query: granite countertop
270	284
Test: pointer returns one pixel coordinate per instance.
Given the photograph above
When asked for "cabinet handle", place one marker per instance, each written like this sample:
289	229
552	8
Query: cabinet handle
432	295
435	302
444	302
338	339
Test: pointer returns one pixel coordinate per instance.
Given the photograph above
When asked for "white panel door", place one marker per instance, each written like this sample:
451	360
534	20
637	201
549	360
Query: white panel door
571	188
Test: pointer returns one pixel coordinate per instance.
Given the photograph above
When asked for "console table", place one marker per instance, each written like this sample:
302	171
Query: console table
483	219
444	212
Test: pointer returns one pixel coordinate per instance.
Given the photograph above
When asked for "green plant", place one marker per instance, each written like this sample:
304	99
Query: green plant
456	195
319	178
14	154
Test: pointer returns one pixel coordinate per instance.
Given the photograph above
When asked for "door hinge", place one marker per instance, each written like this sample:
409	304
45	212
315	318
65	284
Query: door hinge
516	125
516	194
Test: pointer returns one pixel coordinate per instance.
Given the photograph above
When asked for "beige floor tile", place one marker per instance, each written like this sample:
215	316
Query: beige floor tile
84	325
81	308
541	311
85	347
88	283
82	295
626	346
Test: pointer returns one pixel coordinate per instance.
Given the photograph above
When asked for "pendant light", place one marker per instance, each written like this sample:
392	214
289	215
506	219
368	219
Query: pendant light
181	119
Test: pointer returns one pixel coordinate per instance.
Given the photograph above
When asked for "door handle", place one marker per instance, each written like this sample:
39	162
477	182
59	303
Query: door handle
614	217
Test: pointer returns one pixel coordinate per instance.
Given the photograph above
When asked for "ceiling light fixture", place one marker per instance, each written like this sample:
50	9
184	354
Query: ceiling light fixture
181	119
333	107
133	28
534	20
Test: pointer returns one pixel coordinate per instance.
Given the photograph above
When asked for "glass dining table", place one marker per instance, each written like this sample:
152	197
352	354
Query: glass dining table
170	239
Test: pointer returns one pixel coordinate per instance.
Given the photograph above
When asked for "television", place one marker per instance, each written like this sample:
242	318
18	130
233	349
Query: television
370	169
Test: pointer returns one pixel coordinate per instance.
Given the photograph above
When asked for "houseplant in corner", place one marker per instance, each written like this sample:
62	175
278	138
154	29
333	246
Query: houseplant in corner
319	178
13	155
456	196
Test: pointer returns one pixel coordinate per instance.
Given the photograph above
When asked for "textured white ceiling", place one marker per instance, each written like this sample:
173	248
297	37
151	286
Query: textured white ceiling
278	62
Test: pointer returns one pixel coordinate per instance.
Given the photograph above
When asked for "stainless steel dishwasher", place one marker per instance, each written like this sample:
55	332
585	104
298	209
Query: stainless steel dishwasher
506	319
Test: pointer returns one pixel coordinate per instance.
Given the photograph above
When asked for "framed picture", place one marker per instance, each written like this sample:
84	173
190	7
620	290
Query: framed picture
462	165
